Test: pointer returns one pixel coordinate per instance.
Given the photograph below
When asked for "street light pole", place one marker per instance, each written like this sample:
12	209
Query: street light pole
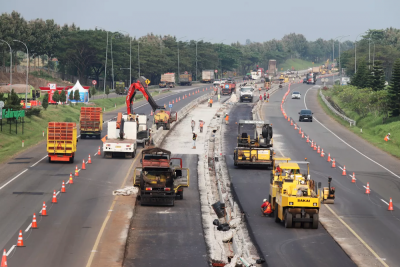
179	80
355	54
196	54
105	67
27	71
10	64
220	61
138	56
130	57
112	62
340	66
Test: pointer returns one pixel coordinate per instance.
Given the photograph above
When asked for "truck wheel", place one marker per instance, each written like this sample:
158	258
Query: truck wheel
277	220
315	221
181	195
306	225
72	159
49	159
297	224
288	220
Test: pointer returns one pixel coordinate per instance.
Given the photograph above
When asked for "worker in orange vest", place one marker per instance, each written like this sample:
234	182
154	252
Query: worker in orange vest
387	137
201	125
211	102
226	118
260	97
266	208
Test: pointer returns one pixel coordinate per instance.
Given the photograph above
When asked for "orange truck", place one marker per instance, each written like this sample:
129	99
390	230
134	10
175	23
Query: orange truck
61	141
91	122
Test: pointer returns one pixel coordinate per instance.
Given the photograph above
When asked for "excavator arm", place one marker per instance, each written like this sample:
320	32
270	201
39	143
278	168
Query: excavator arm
142	87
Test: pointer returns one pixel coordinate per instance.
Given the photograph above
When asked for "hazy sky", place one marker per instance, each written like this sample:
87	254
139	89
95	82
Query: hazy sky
217	20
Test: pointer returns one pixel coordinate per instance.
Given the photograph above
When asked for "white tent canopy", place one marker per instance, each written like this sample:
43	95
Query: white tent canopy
79	87
84	93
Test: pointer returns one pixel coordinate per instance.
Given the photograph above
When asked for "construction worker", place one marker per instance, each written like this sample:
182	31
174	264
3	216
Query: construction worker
193	124
259	90
260	97
201	125
219	96
266	208
211	102
265	96
387	137
278	169
268	97
226	118
208	101
194	137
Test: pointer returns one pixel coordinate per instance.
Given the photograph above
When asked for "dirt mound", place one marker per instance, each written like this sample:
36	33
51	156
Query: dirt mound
20	78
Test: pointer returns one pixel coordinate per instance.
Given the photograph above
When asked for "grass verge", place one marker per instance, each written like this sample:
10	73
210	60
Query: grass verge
11	143
298	64
373	130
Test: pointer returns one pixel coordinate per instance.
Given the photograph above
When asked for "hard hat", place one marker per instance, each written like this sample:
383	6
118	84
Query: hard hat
388	133
264	200
193	131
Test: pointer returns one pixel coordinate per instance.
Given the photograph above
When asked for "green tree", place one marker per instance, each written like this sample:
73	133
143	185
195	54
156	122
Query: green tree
71	95
63	97
93	91
77	96
394	91
56	97
13	101
107	91
2	98
378	77
45	103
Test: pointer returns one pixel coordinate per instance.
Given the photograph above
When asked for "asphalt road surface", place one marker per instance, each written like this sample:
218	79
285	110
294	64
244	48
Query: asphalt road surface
169	236
279	246
66	236
366	214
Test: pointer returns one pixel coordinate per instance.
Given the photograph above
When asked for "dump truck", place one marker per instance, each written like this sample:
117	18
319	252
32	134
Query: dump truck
91	122
161	179
311	78
167	80
61	141
142	131
185	79
207	76
315	70
228	87
293	195
254	144
121	138
272	67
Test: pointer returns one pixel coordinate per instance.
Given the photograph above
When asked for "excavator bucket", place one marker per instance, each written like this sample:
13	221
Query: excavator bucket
174	116
136	176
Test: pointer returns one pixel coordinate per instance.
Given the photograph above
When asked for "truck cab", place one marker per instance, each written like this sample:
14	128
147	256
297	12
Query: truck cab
246	94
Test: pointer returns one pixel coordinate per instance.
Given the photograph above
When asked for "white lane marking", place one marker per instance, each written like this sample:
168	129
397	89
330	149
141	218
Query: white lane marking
340	168
79	136
95	154
385	202
57	193
29	227
380	165
10	250
4	185
39	161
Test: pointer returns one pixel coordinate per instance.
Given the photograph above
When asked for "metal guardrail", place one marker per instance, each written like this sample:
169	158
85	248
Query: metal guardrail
352	122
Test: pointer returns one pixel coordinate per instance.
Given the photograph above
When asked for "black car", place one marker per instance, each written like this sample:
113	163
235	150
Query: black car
305	80
305	115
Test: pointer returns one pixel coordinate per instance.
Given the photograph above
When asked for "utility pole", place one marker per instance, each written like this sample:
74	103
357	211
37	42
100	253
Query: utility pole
105	67
27	71
10	63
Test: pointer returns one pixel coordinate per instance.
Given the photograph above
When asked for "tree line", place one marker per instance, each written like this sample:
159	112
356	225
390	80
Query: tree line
82	53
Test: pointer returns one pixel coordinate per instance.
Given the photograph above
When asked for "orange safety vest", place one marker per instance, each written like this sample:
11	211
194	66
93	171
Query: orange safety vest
201	124
386	138
211	101
227	117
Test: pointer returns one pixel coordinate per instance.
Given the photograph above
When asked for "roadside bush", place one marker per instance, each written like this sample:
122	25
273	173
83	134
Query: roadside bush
68	119
33	112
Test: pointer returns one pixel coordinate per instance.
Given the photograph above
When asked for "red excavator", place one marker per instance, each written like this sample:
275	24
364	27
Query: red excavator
162	117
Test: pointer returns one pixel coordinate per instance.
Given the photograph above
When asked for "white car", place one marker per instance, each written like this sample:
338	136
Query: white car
217	82
296	95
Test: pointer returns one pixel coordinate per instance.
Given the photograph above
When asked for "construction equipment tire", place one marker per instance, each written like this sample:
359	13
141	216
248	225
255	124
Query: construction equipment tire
306	225
297	224
276	214
288	220
315	221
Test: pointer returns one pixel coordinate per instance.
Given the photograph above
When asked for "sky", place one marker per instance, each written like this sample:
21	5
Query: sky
219	20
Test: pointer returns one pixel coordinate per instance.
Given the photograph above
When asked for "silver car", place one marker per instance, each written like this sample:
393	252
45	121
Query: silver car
296	95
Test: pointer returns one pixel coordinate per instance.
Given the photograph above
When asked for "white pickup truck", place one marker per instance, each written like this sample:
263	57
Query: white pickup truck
115	145
246	93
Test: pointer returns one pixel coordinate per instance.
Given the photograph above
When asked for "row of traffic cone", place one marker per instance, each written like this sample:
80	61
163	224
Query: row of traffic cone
321	152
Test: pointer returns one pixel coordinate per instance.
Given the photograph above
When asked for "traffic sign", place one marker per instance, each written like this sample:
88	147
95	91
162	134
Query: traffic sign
215	71
53	86
147	81
170	105
186	72
94	82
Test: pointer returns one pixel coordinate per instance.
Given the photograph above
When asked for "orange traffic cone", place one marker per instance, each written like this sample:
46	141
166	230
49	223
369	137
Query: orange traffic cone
83	165
63	187
179	99
291	122
308	139
333	163
89	160
76	171
322	153
344	171
206	89
286	117
54	200
329	157
315	146
189	94
20	240
173	101
151	113
319	150
98	151
390	205
44	211
71	181
34	223
302	134
353	178
4	259
295	126
299	130
312	144
367	191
